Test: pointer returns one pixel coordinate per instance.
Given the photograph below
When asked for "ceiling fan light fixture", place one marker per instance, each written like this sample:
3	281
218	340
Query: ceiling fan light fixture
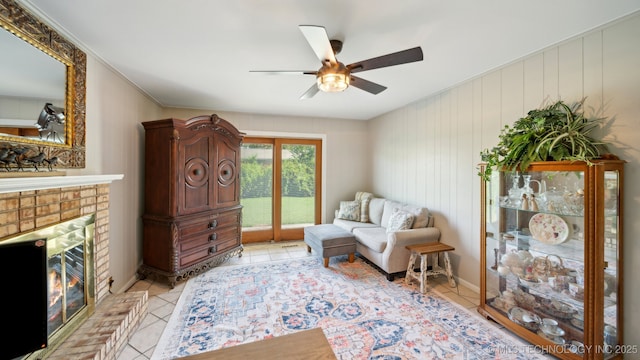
333	82
333	79
334	76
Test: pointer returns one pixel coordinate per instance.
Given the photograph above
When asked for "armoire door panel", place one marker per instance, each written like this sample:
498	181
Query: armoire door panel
228	158
195	186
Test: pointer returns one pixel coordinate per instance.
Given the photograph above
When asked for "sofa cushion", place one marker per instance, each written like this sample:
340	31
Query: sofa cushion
349	210
364	198
389	205
400	220
350	225
421	215
376	206
375	238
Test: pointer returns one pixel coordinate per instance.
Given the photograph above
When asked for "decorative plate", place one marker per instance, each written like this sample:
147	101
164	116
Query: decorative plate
548	228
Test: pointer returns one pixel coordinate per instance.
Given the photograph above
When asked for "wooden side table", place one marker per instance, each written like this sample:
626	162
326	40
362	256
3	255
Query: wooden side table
424	250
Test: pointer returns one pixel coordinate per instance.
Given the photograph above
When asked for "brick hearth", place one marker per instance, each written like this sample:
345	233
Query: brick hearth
107	331
116	316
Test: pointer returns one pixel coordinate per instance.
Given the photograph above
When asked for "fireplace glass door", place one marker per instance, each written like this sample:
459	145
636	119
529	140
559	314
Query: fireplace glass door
69	247
66	277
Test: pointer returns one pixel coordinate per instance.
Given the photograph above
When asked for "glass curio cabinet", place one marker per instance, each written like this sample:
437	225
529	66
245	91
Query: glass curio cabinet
551	264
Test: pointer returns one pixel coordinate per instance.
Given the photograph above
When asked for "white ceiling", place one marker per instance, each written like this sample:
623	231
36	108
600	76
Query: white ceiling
198	53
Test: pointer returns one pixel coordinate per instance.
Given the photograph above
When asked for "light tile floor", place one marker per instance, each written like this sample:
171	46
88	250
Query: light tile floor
162	299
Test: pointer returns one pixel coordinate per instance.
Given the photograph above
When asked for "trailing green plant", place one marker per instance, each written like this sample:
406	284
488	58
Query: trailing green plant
556	132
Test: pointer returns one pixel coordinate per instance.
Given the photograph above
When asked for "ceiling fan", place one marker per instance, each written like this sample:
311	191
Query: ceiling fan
334	76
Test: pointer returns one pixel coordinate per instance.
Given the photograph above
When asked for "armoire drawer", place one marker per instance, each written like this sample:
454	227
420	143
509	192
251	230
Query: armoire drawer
209	238
209	251
209	223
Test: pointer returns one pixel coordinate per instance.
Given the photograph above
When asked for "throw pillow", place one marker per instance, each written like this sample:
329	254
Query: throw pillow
421	215
399	220
349	210
389	206
364	198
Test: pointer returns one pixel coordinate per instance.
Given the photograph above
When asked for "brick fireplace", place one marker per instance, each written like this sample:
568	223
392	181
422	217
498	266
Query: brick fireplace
28	204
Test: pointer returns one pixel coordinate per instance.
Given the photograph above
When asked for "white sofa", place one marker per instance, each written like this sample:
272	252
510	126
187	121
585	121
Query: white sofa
386	249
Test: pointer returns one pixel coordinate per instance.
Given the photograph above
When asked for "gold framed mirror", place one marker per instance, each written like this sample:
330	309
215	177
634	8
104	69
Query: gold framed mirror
63	141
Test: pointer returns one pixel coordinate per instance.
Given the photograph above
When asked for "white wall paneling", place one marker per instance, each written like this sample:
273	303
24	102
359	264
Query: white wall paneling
533	86
570	70
512	96
550	75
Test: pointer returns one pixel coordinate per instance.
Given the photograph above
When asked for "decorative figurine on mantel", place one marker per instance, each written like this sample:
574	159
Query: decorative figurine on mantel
9	158
14	158
51	162
35	160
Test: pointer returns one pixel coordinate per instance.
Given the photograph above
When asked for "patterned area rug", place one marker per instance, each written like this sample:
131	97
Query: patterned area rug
363	315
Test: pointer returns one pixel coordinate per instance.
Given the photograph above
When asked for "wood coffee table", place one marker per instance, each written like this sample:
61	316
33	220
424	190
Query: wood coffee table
302	345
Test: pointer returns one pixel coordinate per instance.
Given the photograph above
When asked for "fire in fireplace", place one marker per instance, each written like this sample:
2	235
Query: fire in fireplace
69	296
66	285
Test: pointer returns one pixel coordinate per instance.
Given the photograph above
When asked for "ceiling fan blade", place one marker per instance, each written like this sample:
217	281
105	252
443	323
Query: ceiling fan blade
367	85
310	92
285	72
397	58
319	40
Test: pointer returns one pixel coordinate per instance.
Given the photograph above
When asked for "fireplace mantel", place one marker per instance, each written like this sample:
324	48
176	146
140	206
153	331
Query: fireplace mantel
39	183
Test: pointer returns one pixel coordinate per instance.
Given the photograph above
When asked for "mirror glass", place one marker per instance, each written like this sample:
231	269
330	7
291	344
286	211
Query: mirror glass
42	93
30	80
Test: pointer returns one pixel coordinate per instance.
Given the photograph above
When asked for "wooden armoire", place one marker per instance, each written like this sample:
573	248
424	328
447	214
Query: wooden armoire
192	215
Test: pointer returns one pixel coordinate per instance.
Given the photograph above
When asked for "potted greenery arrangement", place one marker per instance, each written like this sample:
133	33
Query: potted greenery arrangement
555	132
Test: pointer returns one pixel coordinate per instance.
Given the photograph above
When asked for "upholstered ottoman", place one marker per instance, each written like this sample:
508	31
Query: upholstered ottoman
330	240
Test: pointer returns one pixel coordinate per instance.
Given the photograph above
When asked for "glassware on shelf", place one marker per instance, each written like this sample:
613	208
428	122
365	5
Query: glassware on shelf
552	331
574	201
554	202
527	189
610	336
542	190
515	193
495	259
